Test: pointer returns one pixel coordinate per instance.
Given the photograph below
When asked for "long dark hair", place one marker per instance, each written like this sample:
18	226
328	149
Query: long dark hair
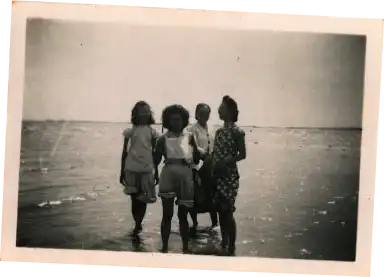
135	110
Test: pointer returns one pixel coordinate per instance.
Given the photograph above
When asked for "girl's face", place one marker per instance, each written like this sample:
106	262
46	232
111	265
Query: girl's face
223	111
143	114
176	122
202	115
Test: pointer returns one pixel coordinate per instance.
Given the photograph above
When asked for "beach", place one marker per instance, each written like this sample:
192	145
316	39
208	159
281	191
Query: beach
297	198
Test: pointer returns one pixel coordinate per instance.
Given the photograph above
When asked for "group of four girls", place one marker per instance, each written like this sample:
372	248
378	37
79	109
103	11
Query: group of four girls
192	158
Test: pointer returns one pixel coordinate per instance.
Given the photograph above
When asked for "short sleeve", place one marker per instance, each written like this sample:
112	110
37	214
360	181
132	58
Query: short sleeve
127	133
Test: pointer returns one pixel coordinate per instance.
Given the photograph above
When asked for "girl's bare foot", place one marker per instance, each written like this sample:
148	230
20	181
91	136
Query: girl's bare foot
187	251
215	227
231	251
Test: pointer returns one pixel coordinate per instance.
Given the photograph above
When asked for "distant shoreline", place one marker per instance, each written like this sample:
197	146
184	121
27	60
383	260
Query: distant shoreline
245	126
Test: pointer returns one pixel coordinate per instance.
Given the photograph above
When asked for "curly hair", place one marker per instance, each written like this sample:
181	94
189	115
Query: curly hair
174	109
135	110
231	105
200	106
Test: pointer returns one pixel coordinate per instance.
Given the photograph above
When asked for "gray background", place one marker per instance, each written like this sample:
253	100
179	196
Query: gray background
97	71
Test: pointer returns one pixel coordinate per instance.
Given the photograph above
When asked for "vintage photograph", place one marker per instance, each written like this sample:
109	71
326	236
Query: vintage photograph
190	140
287	160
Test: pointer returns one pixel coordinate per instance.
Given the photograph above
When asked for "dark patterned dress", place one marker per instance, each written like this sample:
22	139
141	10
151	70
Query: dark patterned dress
226	179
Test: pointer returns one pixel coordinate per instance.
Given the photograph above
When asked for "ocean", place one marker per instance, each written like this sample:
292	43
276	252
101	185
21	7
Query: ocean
297	198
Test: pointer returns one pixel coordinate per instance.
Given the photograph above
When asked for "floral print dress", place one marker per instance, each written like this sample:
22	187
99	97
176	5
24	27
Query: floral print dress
225	179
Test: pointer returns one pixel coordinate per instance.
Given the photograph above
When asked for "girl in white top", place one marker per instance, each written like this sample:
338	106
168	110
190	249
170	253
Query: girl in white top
204	141
179	149
138	174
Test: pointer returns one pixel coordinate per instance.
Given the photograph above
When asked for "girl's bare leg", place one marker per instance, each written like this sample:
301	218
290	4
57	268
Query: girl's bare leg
166	221
193	215
138	212
232	233
223	229
182	213
214	218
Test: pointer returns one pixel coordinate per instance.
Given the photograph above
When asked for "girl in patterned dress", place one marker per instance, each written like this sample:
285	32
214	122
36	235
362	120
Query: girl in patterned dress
229	148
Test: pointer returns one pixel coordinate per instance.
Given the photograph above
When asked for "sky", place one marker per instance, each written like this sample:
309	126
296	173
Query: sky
91	71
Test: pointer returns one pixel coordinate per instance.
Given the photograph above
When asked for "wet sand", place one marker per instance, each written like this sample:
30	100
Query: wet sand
297	199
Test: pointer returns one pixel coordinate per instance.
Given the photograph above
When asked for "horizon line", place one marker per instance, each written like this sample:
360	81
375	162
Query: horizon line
159	124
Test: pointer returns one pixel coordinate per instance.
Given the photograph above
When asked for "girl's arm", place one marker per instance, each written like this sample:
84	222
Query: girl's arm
155	137
242	151
197	155
156	160
123	157
159	151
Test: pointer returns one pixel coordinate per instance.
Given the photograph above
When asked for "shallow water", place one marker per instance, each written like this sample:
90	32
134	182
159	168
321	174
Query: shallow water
297	198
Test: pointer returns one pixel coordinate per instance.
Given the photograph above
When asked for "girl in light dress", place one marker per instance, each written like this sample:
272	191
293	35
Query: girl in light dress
138	174
180	152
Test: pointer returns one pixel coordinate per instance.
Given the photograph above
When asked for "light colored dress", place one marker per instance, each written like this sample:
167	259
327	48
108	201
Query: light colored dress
203	138
139	167
176	178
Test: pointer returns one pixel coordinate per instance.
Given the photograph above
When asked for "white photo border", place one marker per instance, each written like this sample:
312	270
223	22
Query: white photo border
372	28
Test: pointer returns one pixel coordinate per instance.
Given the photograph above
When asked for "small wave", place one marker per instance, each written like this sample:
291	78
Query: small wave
70	199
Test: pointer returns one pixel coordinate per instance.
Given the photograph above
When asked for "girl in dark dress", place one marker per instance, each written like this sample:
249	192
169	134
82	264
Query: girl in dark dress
229	148
203	186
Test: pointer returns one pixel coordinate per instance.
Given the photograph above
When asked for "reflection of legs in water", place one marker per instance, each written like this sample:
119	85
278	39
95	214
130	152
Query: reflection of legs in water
182	214
138	212
193	215
166	221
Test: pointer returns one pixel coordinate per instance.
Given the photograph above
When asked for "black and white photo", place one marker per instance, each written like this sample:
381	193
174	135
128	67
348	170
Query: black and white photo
194	140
